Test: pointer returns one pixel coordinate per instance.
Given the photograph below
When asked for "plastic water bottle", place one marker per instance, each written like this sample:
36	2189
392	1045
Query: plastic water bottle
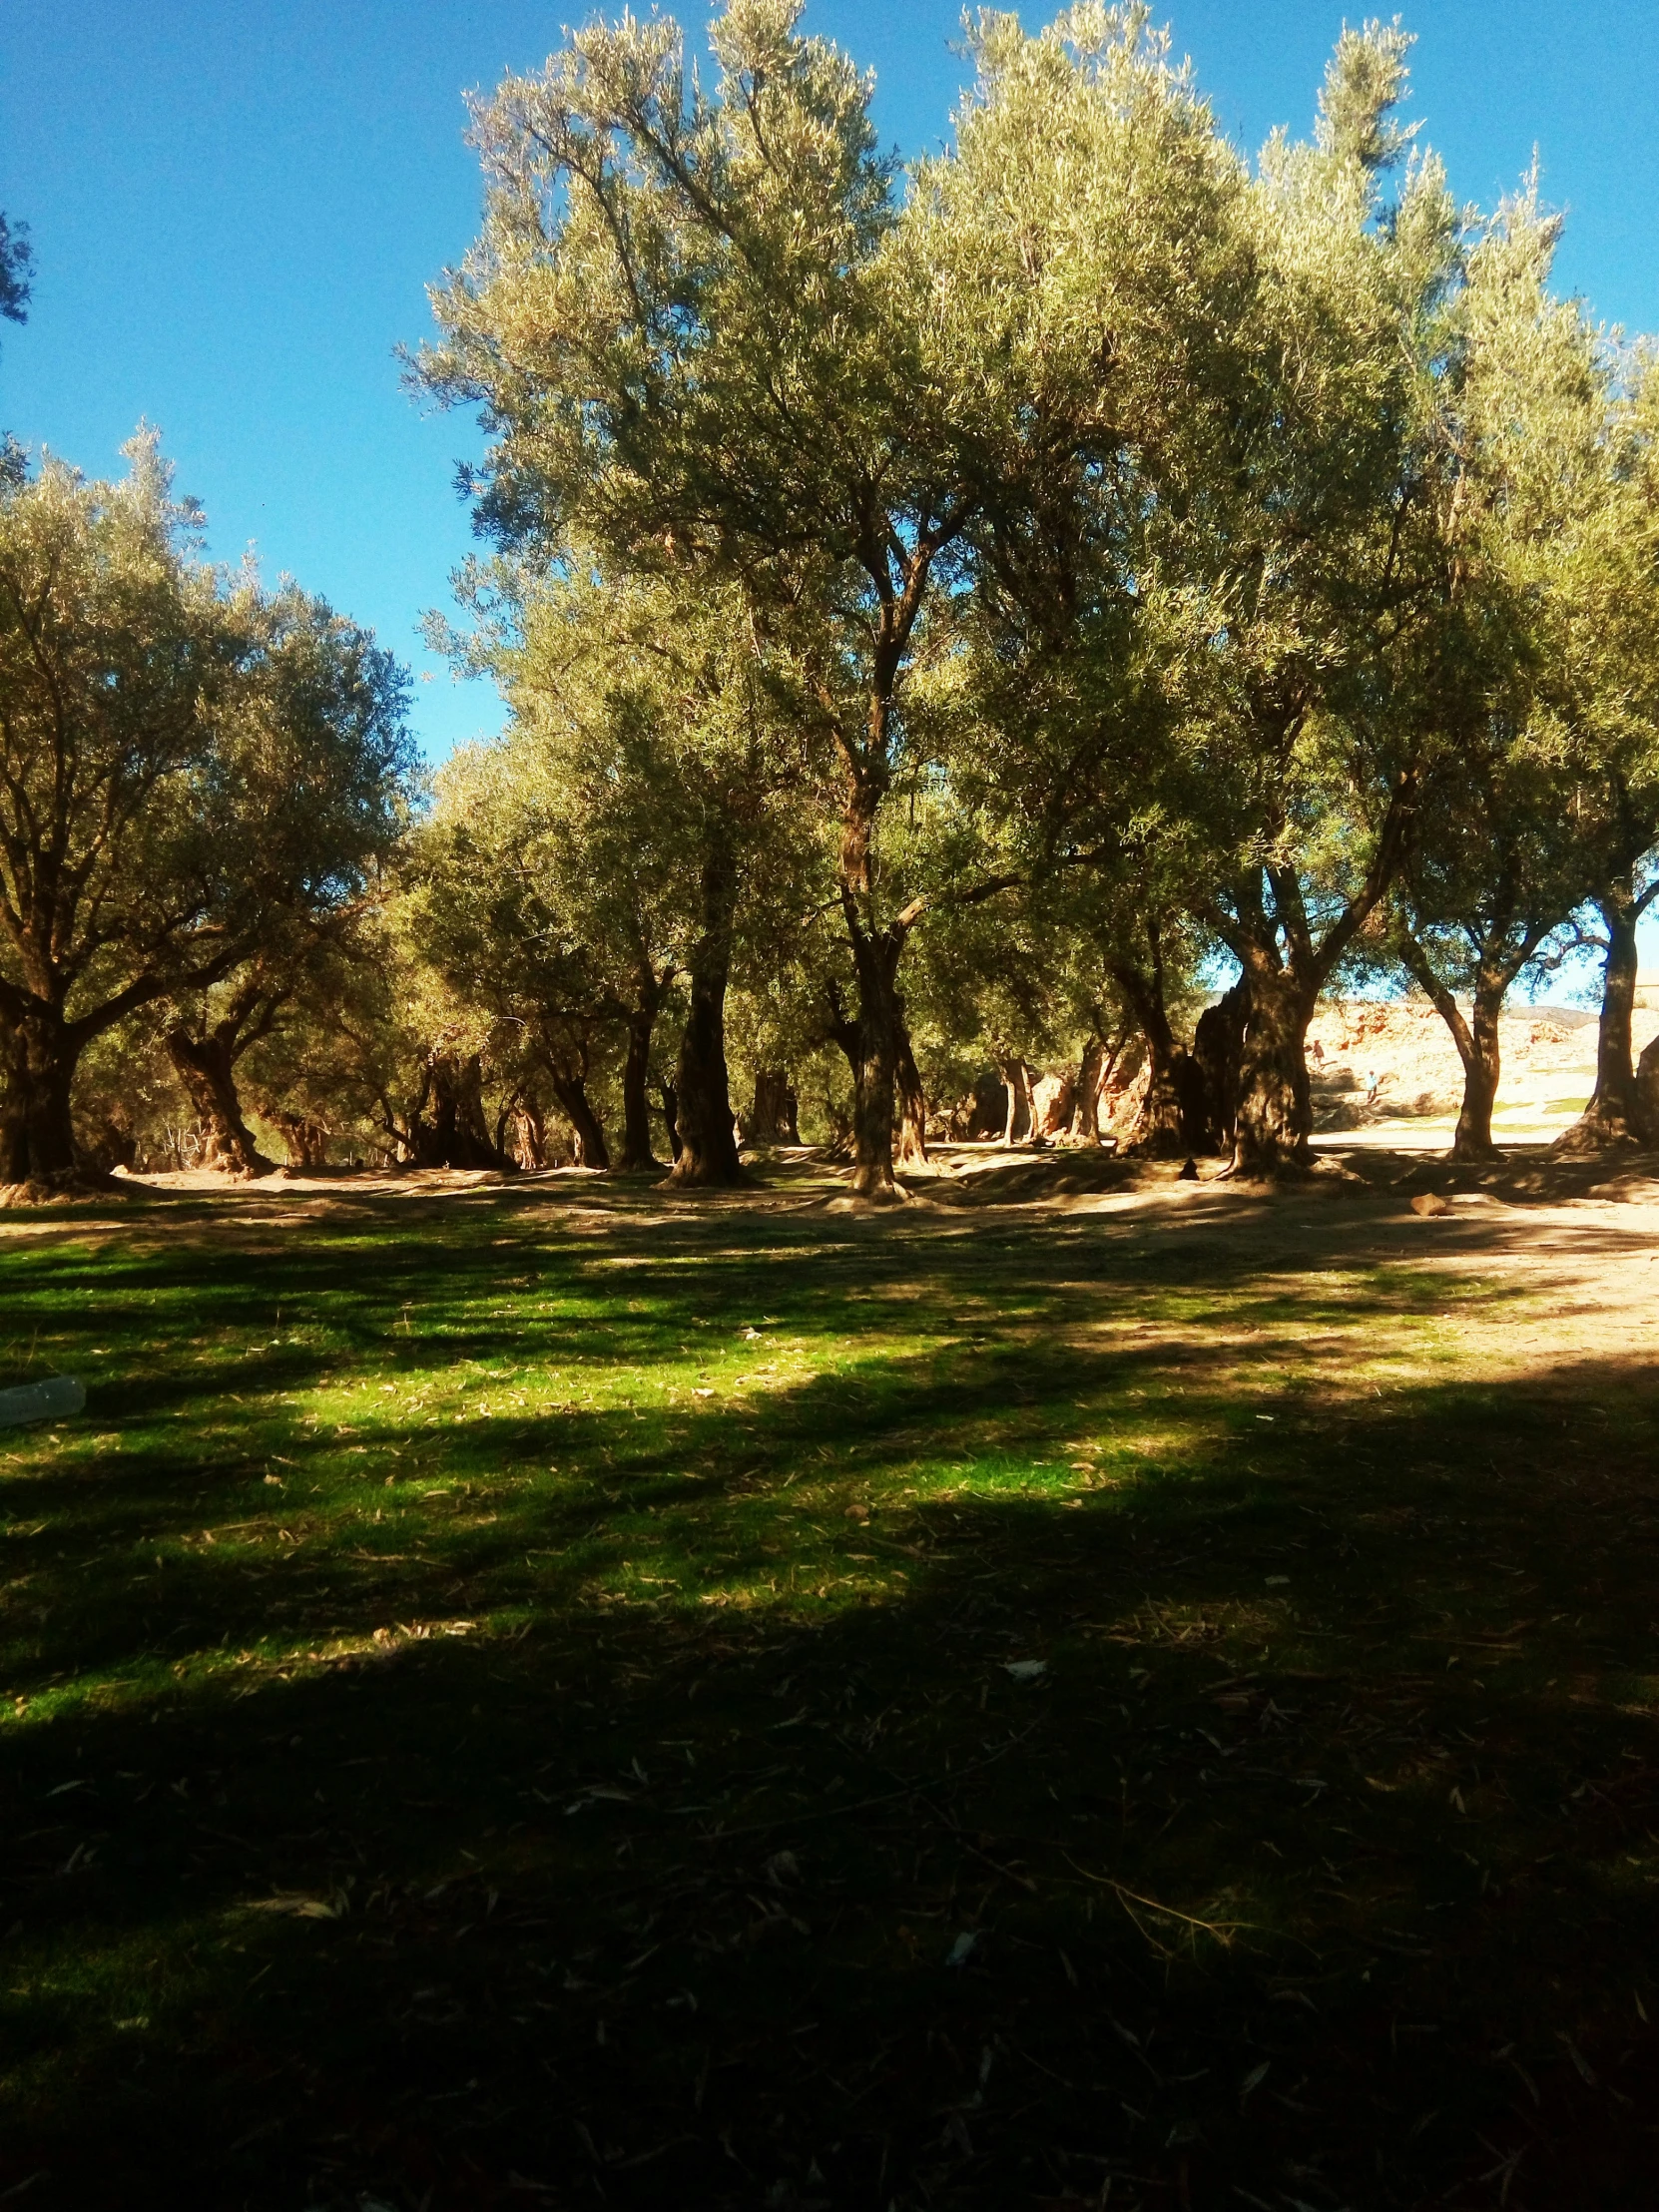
54	1400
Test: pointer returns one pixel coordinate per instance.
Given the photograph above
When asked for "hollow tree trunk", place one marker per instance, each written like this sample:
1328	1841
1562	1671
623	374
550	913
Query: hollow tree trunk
708	1138
1275	1119
37	1135
637	1155
912	1107
206	1067
1614	1115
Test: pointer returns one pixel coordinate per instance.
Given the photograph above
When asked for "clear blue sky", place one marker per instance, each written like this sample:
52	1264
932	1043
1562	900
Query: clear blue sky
236	207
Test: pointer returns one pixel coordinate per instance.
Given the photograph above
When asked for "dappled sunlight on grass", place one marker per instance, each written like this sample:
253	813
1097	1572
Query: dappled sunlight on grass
461	1651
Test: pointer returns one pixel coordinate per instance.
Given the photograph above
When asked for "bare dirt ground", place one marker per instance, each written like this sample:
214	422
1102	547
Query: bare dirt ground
1567	1246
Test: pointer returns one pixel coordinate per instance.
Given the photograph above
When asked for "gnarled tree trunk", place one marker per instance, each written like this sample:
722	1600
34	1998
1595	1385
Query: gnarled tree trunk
304	1138
37	1135
775	1117
879	1029
1172	1120
205	1068
1217	1047
1275	1119
637	1154
1614	1116
1092	1076
708	1136
1476	1037
912	1107
1016	1083
671	1116
454	1133
569	1088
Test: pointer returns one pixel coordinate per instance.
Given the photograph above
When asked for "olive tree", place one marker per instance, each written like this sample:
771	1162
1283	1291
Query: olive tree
185	760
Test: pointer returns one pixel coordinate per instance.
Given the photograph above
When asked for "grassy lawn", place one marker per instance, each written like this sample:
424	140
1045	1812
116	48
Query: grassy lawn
550	1695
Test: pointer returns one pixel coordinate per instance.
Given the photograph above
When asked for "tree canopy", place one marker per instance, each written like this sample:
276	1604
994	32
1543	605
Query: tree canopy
950	617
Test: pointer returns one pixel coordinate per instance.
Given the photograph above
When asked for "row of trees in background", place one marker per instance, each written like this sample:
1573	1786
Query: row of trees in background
946	620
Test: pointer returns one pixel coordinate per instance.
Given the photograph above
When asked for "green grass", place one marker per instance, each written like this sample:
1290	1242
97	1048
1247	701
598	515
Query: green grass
507	1701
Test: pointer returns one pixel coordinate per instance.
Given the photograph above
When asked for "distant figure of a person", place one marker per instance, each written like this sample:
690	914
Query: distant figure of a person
1372	1081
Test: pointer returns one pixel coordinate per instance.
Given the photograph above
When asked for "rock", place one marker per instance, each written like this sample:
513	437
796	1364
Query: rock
1427	1203
54	1400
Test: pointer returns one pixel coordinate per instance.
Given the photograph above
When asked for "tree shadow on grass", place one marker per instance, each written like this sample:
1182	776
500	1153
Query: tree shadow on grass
1315	1866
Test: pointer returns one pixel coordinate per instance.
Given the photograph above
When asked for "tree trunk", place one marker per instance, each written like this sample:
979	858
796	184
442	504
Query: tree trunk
1477	1043
206	1067
1482	1064
569	1088
1276	1111
912	1107
1016	1081
1613	1118
529	1132
879	1027
37	1135
1171	1122
304	1138
1091	1081
637	1155
708	1137
671	1117
1217	1047
456	1135
775	1116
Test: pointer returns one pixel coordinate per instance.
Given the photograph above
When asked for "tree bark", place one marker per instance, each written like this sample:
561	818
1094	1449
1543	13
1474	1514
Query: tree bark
774	1115
1092	1075
1016	1082
569	1088
304	1138
708	1154
206	1067
456	1136
1172	1121
1275	1118
671	1117
1478	1040
37	1134
1217	1047
877	1029
637	1155
529	1132
1614	1116
912	1107
1285	968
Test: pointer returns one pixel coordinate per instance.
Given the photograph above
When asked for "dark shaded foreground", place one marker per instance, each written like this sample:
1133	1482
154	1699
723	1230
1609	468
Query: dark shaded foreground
1317	1870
